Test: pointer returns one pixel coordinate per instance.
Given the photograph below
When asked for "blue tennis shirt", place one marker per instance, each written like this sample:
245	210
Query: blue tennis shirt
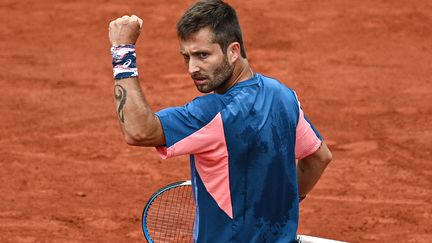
243	147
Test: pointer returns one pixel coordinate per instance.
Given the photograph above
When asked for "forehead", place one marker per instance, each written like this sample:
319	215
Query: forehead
202	40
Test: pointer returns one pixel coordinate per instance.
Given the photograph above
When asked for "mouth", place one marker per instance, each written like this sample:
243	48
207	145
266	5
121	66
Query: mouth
200	81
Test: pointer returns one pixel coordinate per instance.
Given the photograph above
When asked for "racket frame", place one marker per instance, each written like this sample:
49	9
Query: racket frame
151	200
300	238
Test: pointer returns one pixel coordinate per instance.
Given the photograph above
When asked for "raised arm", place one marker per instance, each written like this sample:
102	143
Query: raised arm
140	126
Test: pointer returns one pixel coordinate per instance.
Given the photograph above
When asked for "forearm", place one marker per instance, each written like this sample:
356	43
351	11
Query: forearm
137	120
310	169
139	124
308	175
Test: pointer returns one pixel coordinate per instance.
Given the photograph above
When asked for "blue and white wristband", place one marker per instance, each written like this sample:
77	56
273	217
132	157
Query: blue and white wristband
124	61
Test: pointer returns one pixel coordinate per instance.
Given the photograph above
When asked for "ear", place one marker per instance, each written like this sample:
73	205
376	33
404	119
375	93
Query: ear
233	52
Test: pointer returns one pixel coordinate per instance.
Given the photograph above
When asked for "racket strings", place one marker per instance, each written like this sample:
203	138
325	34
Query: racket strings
171	216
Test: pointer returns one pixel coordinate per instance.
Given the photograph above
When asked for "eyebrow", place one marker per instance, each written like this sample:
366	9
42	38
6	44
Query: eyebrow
194	52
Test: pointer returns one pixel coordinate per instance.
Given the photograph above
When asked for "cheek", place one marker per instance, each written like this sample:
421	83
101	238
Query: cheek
215	65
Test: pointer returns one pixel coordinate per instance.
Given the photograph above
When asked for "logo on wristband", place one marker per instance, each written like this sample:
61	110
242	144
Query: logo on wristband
127	63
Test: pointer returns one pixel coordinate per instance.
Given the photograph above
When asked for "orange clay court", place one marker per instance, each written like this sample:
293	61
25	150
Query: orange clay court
362	69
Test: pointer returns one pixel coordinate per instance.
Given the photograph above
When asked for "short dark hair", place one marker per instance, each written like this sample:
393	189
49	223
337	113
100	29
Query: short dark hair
220	17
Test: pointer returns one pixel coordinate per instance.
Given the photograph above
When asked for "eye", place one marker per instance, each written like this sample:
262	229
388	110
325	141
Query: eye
203	55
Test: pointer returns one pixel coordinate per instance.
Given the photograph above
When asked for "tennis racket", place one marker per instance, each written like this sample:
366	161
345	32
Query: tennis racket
169	215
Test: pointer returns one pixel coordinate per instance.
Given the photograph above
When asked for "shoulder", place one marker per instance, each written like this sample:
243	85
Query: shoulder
200	110
274	86
213	100
206	106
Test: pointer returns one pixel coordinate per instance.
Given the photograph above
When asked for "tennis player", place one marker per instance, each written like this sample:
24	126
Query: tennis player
243	135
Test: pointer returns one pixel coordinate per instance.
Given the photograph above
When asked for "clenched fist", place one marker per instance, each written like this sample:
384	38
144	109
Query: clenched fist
125	30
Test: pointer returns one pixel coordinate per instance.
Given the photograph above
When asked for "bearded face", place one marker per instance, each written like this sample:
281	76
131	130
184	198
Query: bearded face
212	79
207	64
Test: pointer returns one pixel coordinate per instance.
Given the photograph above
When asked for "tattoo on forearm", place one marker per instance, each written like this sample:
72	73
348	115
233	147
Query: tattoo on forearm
120	95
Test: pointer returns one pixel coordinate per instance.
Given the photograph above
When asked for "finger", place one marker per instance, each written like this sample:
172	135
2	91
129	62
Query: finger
137	19
140	21
111	24
124	19
133	18
117	21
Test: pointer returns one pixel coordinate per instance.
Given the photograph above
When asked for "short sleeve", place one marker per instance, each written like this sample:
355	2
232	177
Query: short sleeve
308	139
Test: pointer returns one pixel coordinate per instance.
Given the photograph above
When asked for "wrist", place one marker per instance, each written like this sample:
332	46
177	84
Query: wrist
124	61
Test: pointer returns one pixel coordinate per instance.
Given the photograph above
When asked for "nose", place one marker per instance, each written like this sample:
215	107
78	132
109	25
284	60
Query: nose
193	66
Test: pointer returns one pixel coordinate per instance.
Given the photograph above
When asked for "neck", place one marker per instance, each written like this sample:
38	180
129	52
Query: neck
241	72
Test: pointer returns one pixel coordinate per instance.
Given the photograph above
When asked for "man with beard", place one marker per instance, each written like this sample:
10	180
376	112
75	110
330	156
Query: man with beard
243	138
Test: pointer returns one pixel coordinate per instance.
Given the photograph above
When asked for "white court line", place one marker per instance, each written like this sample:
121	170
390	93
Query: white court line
312	239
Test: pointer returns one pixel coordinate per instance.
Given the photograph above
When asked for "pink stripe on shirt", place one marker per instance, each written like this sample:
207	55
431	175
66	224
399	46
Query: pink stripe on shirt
209	148
307	142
